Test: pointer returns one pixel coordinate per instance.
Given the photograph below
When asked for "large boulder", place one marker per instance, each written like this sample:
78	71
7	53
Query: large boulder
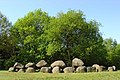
102	68
77	62
56	70
58	63
30	70
18	65
110	69
114	68
81	69
41	63
11	69
45	69
90	69
68	70
97	67
30	64
21	71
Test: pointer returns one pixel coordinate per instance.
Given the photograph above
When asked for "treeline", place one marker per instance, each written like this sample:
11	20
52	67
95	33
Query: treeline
66	36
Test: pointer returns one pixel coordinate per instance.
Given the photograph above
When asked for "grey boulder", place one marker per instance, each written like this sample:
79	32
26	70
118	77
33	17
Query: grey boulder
11	69
81	69
110	69
18	65
30	70
68	70
45	69
97	67
90	69
41	63
77	62
56	70
21	71
58	63
30	64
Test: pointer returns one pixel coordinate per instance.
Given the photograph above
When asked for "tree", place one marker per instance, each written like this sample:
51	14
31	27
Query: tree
113	52
116	57
27	32
6	44
69	35
110	45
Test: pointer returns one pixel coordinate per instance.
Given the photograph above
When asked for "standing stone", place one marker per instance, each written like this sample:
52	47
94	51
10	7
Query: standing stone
21	71
11	69
97	67
56	70
110	69
114	68
68	70
102	68
77	62
58	63
30	64
89	69
81	69
41	63
30	70
18	65
44	69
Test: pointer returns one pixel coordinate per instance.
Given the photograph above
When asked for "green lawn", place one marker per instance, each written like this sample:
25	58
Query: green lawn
4	75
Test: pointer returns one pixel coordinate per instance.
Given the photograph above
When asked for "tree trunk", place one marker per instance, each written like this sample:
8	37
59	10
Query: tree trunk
69	59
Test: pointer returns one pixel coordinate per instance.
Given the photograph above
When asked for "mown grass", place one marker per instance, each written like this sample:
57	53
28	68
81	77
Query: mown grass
4	75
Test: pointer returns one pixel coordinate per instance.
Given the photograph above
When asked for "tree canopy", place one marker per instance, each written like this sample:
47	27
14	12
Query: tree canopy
27	33
6	45
66	36
69	35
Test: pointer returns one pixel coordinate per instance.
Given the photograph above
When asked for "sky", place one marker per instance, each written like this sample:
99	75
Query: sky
106	12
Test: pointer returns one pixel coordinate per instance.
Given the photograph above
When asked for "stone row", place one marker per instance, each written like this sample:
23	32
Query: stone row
58	67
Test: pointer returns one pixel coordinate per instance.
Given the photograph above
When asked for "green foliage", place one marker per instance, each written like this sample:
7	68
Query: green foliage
6	40
116	57
27	33
69	35
110	45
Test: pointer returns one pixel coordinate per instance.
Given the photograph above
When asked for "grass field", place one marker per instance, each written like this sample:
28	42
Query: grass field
4	75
